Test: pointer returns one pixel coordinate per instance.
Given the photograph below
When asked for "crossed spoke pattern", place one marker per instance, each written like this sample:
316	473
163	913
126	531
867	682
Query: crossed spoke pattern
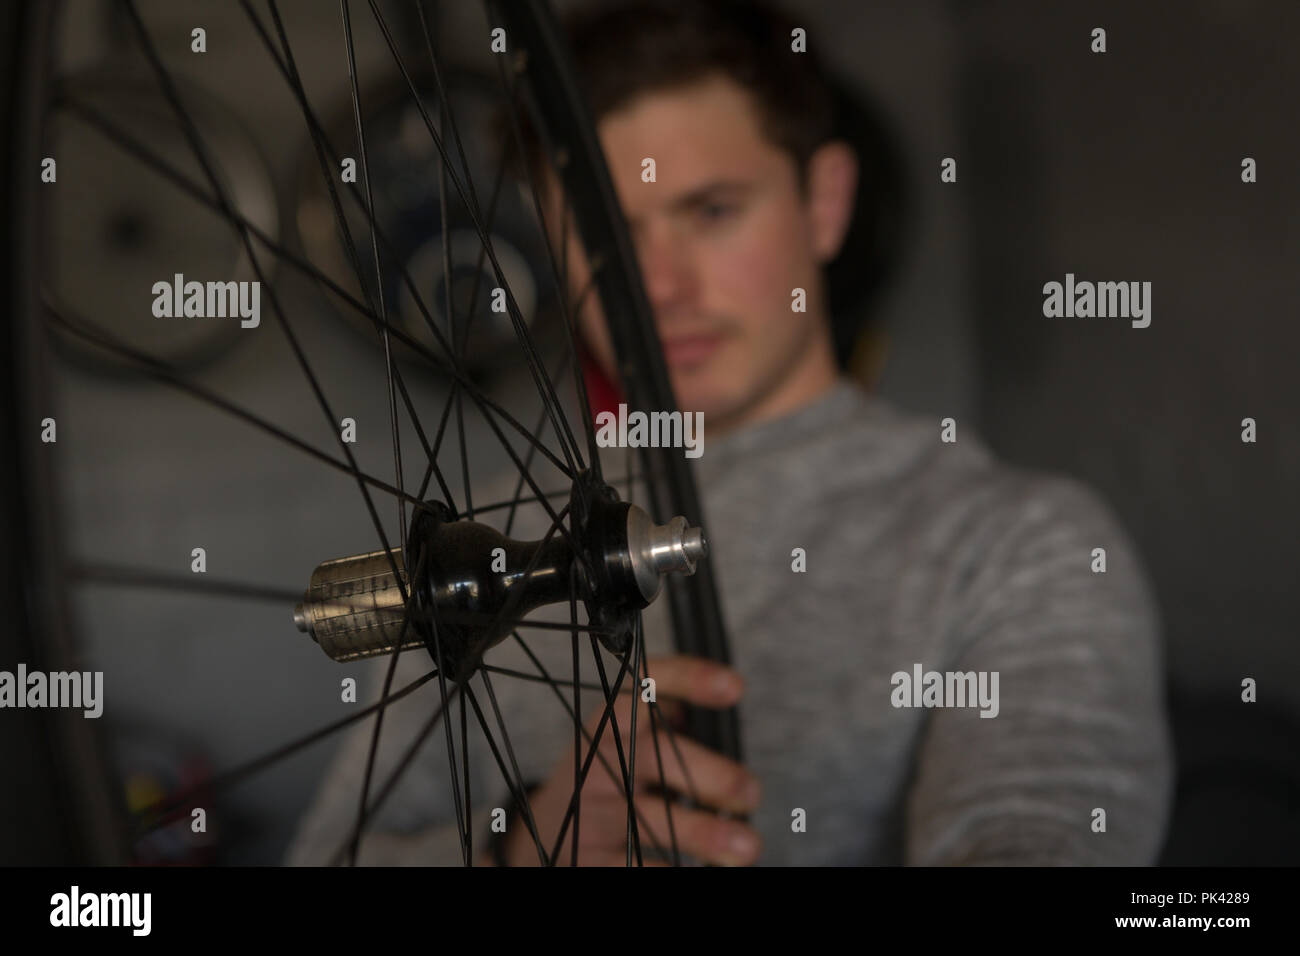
569	456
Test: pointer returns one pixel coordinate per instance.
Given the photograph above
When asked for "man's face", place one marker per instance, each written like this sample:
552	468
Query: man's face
723	236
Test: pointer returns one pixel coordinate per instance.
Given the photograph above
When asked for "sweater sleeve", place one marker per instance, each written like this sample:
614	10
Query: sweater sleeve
1080	729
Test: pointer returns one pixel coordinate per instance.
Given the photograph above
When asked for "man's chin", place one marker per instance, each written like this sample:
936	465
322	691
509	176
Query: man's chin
718	405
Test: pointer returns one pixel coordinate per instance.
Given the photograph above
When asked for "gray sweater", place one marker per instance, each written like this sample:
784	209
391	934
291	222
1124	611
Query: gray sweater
952	680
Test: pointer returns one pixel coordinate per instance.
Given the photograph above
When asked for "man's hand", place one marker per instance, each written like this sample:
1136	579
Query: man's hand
720	784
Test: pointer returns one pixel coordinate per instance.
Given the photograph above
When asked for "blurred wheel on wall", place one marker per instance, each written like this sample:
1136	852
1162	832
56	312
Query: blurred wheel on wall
112	216
409	202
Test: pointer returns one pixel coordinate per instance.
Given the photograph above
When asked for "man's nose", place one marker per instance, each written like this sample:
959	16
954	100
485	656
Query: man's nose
667	269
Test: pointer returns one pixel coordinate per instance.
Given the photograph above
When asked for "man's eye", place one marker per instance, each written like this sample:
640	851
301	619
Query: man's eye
714	212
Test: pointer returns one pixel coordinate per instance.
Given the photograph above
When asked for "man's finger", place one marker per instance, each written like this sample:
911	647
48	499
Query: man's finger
700	833
702	774
695	680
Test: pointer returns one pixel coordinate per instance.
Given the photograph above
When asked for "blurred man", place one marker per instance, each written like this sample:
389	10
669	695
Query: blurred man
932	668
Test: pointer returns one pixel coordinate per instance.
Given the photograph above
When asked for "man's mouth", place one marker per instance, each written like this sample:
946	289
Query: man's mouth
685	350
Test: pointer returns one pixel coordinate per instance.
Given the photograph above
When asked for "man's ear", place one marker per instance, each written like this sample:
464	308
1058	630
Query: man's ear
832	187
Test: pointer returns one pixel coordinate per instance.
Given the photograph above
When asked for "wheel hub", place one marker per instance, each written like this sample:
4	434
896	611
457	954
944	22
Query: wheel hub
469	585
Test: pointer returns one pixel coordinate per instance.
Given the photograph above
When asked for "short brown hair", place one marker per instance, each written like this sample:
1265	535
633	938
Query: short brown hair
624	50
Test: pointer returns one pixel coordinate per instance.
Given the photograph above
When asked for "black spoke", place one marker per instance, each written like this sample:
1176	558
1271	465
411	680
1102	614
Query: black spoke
519	486
560	626
201	153
591	755
379	273
289	68
379	714
392	415
156	369
145	155
461	377
577	716
633	838
529	499
502	614
524	675
407	757
449	117
290	72
459	338
469	803
555	685
455	128
327	154
451	747
561	280
516	780
146	817
659	760
544	387
629	784
540	497
163	581
681	761
632	460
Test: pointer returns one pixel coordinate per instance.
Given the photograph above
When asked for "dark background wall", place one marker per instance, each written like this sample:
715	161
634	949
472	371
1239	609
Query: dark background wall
1127	166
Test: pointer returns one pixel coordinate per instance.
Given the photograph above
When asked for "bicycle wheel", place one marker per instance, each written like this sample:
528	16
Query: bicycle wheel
422	578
